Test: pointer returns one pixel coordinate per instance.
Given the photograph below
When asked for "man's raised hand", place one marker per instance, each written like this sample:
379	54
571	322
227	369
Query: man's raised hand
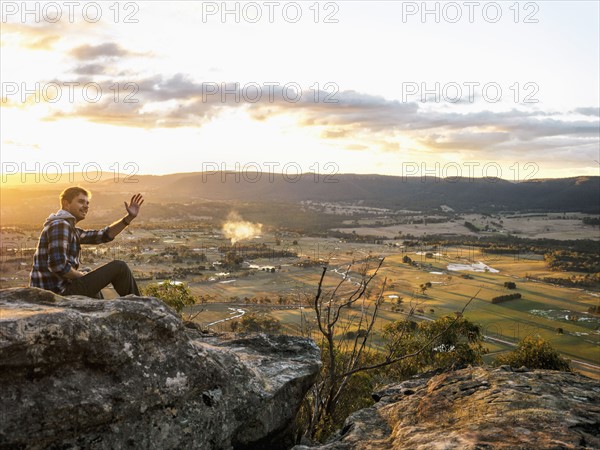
134	205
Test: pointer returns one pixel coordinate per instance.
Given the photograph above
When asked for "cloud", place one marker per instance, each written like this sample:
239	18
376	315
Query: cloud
45	43
179	87
15	100
574	148
40	36
464	139
91	69
107	49
21	145
532	129
151	103
588	111
388	146
335	134
109	112
359	121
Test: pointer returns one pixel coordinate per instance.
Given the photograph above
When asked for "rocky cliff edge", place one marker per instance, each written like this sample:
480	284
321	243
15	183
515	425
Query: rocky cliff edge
476	409
77	372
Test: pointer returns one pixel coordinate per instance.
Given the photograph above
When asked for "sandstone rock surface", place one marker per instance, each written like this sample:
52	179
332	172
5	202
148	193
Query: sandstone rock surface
478	408
126	373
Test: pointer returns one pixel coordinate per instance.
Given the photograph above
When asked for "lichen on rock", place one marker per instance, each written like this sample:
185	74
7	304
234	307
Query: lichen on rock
478	408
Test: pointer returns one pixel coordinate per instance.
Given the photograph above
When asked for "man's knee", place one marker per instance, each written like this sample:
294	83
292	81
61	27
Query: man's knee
121	266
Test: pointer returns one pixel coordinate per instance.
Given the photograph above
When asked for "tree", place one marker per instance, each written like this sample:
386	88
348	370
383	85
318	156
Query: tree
176	295
424	286
232	259
341	357
346	377
456	346
257	323
534	352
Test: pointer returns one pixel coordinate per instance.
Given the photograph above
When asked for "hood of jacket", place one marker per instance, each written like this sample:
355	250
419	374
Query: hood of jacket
61	215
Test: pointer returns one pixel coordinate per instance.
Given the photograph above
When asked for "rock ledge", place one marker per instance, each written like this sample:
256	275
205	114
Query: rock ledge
85	373
478	408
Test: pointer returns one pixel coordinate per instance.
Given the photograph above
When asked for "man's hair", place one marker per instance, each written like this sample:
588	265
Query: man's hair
70	193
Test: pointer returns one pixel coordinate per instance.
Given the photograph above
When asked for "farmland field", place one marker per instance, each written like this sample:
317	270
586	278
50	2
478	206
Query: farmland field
557	313
551	226
542	310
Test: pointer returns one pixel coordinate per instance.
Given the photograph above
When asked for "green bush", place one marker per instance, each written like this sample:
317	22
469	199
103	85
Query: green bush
176	295
505	298
534	352
459	346
257	323
472	227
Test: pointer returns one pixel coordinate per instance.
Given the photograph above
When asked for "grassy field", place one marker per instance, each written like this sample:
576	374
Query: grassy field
542	309
551	226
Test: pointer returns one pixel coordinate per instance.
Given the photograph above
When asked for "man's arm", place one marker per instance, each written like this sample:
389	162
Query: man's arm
133	210
72	273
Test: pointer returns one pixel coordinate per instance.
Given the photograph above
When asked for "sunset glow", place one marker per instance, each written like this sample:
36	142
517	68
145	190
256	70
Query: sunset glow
364	87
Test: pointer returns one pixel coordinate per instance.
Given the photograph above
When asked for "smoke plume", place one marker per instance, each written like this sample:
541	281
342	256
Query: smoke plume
237	229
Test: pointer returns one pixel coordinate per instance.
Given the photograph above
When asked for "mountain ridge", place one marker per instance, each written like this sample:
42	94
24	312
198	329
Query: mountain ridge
574	194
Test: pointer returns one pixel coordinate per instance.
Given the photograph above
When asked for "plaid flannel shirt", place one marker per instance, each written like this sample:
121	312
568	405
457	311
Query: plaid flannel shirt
58	251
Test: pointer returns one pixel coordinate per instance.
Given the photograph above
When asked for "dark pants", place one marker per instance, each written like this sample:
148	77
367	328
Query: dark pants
115	272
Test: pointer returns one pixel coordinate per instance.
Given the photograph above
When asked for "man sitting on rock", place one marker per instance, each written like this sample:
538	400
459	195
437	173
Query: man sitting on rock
56	260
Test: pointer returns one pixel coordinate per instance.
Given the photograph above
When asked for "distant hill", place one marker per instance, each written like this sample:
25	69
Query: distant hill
461	194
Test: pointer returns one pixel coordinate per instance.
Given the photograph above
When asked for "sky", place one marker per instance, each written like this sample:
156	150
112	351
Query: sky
473	89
